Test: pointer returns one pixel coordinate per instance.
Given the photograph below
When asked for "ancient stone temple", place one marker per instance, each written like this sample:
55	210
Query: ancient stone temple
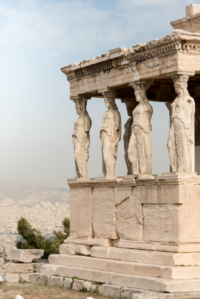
140	230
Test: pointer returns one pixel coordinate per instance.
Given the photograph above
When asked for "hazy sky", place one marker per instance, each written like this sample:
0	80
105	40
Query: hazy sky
37	38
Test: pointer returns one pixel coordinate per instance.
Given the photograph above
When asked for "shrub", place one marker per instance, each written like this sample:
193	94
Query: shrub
34	239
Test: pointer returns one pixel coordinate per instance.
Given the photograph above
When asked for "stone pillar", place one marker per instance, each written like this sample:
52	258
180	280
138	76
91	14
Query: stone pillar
181	135
81	138
110	134
139	149
130	106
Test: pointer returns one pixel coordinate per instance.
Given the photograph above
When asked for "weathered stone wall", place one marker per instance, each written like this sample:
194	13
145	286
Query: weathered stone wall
155	210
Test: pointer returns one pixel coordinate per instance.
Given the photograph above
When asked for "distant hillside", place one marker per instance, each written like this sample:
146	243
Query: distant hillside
45	208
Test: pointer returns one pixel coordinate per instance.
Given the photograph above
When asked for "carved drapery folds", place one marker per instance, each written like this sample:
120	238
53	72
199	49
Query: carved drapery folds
181	133
110	134
130	106
139	149
81	138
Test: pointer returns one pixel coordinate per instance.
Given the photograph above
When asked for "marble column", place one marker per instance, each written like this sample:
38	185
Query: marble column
181	135
110	134
139	149
81	138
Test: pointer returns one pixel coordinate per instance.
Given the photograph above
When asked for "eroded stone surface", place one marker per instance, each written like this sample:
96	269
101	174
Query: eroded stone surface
11	277
89	242
55	281
121	194
47	269
26	255
103	213
100	252
17	268
80	213
68	283
74	249
24	277
110	291
37	278
80	285
129	222
161	222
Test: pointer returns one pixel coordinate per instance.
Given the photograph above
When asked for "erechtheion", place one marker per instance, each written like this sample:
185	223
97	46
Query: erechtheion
140	230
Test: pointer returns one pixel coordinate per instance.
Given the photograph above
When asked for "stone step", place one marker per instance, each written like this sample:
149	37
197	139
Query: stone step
125	280
132	268
145	256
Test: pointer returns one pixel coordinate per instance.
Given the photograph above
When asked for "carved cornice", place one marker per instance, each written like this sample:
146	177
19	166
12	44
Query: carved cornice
117	63
147	182
177	181
129	58
74	184
127	182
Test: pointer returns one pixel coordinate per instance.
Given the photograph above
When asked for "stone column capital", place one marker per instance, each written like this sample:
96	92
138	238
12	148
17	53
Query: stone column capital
108	93
80	98
180	76
141	84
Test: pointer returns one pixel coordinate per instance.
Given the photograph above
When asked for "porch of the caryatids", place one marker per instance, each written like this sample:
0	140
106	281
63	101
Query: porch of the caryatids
140	149
130	106
181	135
110	134
81	138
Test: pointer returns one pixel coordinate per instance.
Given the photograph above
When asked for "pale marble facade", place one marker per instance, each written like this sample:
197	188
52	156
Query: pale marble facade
139	229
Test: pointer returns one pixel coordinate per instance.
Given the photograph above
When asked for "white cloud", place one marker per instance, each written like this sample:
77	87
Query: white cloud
56	25
77	25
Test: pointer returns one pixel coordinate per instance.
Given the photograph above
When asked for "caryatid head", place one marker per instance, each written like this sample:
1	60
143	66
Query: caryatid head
140	89
109	99
81	104
180	84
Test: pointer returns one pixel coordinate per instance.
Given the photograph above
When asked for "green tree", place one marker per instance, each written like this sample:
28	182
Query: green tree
60	236
34	239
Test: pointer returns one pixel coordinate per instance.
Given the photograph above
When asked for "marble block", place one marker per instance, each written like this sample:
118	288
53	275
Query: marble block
80	213
129	222
103	213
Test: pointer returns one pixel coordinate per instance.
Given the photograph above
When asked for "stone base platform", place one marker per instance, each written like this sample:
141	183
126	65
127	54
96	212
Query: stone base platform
140	233
108	290
144	276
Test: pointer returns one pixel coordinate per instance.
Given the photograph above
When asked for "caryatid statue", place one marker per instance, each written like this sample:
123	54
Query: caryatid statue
81	138
181	134
130	106
110	134
139	149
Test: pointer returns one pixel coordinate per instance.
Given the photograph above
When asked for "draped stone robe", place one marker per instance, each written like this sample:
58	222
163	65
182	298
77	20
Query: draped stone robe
81	141
110	135
181	133
139	150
